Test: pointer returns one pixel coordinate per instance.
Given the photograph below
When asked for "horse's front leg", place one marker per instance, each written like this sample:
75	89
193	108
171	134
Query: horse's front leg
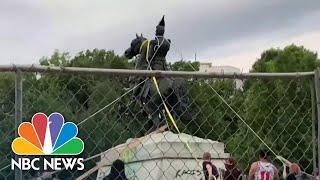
155	113
155	120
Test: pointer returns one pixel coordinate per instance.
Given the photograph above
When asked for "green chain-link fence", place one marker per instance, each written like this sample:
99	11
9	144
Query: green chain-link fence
279	108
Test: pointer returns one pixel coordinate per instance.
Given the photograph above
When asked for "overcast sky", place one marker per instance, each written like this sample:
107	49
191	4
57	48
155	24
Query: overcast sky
225	32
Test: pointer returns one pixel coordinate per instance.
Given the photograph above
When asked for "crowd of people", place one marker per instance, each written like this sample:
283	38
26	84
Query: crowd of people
262	169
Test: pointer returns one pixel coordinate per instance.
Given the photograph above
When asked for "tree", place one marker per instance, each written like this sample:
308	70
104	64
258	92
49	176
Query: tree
279	110
291	59
79	96
185	66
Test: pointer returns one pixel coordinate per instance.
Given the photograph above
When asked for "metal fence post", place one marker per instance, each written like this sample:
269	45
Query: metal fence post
317	90
314	124
18	113
314	137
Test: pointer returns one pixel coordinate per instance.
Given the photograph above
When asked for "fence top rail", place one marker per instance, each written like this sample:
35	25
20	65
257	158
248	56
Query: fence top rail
132	72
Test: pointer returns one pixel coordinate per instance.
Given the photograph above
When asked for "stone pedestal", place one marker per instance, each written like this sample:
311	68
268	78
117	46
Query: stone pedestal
163	156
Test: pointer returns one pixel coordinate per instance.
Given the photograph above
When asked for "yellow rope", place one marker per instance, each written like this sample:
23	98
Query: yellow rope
143	43
155	82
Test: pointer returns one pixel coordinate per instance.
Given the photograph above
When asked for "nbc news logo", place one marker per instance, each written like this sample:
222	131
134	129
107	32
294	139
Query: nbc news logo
47	136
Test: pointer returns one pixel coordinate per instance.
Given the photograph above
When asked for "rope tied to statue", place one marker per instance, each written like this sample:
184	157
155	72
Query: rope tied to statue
155	82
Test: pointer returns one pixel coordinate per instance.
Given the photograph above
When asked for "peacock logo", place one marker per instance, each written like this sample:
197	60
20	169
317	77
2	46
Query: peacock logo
47	136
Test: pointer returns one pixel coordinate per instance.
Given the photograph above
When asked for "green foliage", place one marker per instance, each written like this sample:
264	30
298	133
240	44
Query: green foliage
57	59
100	59
7	125
282	106
291	59
279	111
185	66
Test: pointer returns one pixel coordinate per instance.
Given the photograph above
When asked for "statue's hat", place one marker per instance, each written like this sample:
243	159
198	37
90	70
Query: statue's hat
160	27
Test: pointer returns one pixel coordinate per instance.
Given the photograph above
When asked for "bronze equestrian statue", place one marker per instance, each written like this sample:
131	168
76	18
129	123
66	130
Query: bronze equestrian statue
151	55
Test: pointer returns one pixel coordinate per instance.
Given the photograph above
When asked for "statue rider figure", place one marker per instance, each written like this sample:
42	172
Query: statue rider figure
150	94
159	48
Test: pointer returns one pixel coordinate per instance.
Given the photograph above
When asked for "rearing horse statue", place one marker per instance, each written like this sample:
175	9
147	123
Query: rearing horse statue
152	56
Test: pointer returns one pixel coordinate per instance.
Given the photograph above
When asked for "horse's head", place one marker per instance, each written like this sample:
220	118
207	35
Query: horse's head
134	48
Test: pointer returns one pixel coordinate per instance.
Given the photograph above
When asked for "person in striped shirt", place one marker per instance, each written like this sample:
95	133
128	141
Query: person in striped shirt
263	169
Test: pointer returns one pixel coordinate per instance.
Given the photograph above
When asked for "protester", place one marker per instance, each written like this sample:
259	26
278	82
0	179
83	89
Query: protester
263	169
117	171
209	170
292	171
232	172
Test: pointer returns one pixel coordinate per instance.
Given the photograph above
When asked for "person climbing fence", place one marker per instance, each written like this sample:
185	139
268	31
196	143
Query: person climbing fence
292	171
